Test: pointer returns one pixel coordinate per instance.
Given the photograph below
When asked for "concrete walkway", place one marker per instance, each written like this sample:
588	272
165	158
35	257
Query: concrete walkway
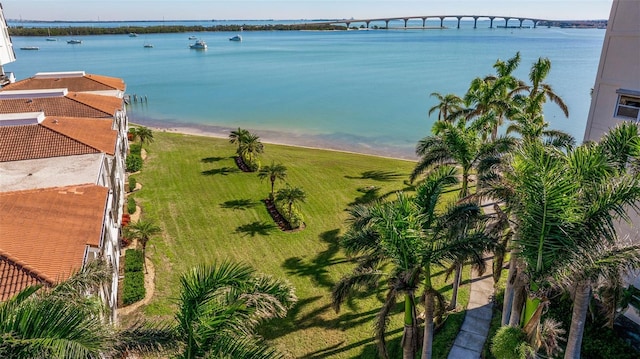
475	328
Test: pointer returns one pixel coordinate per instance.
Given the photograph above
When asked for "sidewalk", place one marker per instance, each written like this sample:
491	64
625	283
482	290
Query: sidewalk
475	328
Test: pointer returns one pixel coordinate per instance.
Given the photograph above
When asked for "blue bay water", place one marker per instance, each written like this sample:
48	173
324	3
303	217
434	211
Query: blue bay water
364	91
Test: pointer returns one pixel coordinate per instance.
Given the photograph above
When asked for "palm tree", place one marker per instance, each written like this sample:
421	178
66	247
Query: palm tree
249	148
562	203
145	134
449	103
219	308
143	230
273	173
62	322
410	235
238	136
290	195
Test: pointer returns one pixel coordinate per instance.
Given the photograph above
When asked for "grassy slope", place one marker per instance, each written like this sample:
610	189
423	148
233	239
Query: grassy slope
210	211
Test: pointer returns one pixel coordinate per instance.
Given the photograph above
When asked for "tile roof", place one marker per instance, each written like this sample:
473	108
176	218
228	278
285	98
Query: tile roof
45	232
74	104
84	83
94	132
15	277
38	141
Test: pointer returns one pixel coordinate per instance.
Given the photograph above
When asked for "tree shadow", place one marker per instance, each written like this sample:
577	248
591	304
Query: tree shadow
220	171
378	175
212	159
369	194
316	269
241	204
255	228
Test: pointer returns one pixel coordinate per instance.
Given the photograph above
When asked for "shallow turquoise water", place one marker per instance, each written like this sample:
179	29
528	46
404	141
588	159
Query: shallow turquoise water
366	91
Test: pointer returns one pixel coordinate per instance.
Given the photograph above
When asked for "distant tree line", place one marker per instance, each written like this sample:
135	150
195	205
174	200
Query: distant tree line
86	30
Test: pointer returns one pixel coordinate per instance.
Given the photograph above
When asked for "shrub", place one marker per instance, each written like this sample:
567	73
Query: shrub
133	287
295	220
507	343
135	149
132	184
131	205
134	163
133	261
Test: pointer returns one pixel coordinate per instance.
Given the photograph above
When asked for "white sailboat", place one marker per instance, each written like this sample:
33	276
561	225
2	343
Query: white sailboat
49	38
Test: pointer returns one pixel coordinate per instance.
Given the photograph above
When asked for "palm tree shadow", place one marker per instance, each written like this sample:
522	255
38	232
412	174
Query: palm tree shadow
241	204
255	228
369	194
221	171
316	269
378	175
212	159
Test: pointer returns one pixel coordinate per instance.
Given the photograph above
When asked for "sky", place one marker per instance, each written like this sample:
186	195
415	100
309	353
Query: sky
110	10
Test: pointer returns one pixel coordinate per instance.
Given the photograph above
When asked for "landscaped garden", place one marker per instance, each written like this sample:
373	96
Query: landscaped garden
211	211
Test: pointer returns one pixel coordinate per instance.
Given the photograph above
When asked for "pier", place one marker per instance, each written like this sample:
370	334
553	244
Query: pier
520	20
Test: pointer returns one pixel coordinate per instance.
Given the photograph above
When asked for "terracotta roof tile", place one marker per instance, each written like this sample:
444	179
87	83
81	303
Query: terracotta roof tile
92	131
74	104
79	84
15	277
37	141
47	230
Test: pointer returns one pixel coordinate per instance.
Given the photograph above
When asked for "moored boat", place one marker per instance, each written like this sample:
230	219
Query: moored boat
236	38
199	45
30	48
74	41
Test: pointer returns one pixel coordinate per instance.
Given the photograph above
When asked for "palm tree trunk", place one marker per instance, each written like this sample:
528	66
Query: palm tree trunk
429	307
409	335
456	284
578	319
509	291
518	301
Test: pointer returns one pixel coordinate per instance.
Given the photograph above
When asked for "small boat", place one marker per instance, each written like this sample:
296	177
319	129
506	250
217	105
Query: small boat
133	34
30	48
192	37
148	46
199	45
49	38
236	38
74	41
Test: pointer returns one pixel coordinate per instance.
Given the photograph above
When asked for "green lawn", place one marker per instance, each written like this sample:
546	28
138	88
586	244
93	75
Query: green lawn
210	211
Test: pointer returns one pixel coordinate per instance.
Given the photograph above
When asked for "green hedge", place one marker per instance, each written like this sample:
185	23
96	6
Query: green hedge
133	261
296	219
132	183
131	205
135	149
134	163
133	287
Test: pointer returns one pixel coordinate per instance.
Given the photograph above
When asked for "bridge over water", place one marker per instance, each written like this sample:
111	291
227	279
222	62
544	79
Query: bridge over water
521	20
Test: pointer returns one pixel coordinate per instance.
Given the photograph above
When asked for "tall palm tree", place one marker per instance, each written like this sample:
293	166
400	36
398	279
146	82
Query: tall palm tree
145	134
291	195
143	230
447	104
61	322
219	308
273	172
412	236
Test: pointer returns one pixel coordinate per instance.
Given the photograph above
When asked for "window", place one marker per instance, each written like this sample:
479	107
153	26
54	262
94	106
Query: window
628	106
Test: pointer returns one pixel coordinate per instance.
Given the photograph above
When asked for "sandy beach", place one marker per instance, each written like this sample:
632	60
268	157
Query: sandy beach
288	139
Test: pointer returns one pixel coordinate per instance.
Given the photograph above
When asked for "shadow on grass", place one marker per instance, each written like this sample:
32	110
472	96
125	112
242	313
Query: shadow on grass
316	269
377	175
255	228
213	159
241	204
221	171
369	348
369	194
